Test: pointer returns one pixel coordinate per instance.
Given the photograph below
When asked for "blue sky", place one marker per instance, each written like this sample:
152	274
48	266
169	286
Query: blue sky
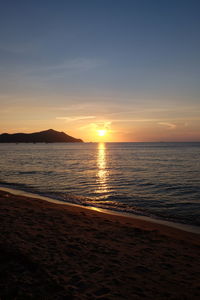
130	66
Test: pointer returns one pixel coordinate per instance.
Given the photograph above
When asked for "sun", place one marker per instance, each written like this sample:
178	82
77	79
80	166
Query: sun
101	132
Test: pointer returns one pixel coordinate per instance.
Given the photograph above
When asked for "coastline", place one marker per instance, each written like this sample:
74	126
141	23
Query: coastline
64	251
169	197
165	223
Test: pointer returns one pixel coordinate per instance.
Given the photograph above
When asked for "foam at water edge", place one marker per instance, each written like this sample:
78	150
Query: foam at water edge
184	227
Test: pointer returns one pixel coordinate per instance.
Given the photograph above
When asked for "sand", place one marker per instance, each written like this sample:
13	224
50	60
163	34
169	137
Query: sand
51	251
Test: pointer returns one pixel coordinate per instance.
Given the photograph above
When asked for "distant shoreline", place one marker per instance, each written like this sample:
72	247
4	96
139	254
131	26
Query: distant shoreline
106	142
46	136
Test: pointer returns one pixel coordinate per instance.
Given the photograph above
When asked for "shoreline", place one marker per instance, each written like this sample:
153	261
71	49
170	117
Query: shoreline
51	251
179	226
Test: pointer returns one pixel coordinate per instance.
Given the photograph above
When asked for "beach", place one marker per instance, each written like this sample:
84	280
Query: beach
55	251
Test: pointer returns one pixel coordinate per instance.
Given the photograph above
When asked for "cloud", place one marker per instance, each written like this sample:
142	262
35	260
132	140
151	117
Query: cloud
134	120
103	125
97	125
169	125
81	64
17	47
71	119
76	64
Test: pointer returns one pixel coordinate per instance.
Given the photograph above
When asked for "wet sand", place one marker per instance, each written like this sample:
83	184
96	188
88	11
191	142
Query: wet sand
53	251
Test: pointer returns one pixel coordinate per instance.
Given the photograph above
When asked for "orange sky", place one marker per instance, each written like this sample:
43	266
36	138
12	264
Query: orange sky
131	68
123	123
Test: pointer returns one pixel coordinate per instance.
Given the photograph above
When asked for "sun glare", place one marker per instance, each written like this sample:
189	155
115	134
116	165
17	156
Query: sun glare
101	132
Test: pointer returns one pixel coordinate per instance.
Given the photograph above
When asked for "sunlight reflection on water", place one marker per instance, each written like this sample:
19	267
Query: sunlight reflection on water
102	173
159	179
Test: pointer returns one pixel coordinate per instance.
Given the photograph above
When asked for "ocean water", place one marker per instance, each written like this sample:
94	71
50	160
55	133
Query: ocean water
161	180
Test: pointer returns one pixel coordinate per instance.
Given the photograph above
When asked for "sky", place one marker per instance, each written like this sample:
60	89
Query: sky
131	68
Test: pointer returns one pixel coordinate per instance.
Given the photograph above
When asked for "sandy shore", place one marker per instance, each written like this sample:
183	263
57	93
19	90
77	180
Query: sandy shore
51	251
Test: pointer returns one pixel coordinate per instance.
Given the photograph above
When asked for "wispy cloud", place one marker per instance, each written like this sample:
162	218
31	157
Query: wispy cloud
78	118
47	72
107	124
17	47
98	125
76	64
168	125
133	120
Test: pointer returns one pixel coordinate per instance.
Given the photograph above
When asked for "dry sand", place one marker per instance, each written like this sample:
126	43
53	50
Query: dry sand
51	251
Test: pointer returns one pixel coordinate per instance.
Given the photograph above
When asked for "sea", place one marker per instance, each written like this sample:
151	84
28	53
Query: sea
157	180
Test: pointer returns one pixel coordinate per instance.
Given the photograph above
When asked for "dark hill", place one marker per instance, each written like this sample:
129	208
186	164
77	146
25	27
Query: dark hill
47	136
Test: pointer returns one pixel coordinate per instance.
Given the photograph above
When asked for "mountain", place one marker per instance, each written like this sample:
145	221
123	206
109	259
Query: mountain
47	136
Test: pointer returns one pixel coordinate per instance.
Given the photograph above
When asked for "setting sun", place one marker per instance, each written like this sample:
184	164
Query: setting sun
102	132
